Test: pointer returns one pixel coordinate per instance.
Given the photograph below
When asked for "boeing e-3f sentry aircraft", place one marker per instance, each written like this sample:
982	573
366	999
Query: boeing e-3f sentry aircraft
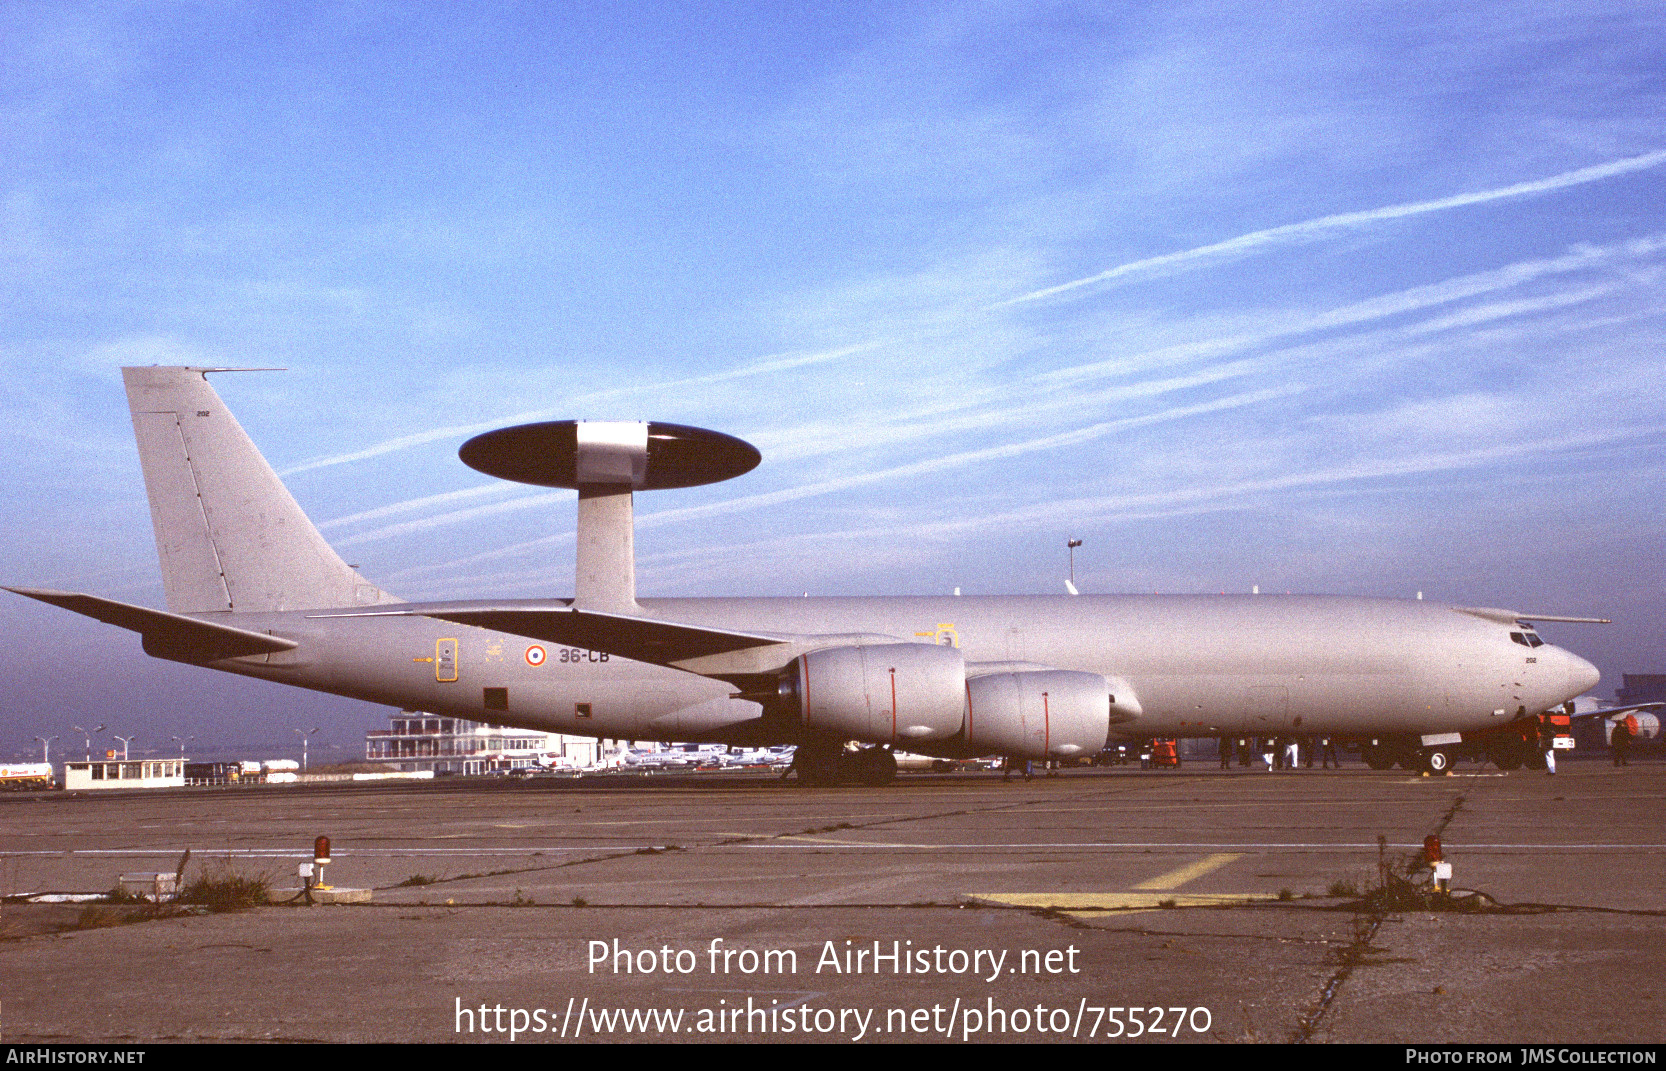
253	589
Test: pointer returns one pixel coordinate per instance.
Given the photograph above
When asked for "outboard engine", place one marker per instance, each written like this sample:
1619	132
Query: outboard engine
1038	714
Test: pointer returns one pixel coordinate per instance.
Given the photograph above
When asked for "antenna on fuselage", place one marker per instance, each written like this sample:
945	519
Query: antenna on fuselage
606	462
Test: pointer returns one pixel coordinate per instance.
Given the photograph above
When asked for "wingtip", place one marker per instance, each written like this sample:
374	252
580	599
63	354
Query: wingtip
38	593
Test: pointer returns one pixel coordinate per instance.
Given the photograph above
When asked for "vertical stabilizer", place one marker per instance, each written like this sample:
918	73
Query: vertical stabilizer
230	536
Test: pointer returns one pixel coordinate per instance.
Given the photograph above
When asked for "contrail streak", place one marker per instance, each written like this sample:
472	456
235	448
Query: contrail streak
457	431
1291	232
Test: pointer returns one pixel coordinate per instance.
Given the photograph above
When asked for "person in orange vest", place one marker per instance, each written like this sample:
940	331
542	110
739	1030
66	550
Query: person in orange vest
1621	741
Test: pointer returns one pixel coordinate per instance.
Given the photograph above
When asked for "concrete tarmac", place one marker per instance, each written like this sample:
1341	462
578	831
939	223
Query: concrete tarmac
1157	906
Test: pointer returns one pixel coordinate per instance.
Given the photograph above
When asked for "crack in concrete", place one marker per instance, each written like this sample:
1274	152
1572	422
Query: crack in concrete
565	863
1365	929
964	812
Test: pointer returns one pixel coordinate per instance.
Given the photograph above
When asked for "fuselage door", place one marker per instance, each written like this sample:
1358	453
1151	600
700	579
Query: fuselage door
445	660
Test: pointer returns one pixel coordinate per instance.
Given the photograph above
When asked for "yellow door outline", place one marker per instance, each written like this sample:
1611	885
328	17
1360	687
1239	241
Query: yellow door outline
443	664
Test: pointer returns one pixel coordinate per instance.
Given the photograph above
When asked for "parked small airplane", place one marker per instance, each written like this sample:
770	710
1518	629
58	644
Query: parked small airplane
253	589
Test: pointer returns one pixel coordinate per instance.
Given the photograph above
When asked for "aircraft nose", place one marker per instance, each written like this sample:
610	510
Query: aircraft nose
1582	676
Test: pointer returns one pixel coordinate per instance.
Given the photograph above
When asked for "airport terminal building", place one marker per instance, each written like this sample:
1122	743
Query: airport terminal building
415	741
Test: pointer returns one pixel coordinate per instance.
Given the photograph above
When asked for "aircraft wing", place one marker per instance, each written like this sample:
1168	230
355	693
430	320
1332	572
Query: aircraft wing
1512	617
725	654
643	639
1615	712
165	635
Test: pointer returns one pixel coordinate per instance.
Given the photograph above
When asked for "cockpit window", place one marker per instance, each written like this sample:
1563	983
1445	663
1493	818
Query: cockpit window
1527	639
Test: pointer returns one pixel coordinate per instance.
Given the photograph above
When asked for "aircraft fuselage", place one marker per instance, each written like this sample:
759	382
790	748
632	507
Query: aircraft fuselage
1199	665
253	588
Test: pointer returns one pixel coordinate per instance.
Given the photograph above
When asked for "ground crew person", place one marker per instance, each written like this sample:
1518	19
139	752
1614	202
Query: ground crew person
1621	742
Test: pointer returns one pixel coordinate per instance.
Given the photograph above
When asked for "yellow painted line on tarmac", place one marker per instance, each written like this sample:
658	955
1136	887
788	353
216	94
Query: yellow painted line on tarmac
1190	872
1148	895
1073	903
833	842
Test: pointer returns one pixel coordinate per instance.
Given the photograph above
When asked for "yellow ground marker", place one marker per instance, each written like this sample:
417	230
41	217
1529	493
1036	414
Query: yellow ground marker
1146	896
1190	872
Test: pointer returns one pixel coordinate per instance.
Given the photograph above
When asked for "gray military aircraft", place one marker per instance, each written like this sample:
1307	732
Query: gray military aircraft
253	589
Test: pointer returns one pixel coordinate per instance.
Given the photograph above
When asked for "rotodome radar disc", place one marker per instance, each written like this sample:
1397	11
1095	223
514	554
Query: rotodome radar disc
547	455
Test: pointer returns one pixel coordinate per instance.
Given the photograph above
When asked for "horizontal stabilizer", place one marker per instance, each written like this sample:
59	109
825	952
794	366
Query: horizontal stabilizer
171	636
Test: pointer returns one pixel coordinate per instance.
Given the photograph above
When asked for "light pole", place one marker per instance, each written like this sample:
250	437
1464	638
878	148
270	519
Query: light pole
125	740
303	736
88	737
46	747
1072	545
182	741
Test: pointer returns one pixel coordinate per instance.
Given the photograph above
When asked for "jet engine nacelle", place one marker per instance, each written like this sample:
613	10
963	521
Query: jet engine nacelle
1038	714
888	693
1645	728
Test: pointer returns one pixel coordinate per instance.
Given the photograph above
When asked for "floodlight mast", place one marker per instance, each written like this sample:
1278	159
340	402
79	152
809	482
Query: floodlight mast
87	734
303	736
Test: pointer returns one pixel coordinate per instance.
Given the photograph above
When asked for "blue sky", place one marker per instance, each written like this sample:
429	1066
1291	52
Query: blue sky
1363	299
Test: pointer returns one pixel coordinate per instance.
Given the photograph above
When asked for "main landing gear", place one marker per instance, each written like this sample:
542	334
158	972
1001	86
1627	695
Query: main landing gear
822	762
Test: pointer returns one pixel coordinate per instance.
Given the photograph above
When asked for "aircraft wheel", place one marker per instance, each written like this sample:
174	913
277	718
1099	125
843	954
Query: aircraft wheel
818	764
873	766
1377	757
1505	757
1437	760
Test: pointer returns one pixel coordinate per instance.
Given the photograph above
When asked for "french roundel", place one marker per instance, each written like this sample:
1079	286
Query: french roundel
535	655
